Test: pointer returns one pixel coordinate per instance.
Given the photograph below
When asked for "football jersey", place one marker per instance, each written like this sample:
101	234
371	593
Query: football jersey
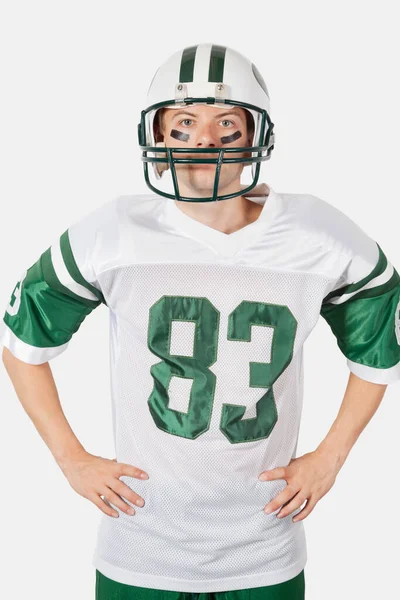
206	368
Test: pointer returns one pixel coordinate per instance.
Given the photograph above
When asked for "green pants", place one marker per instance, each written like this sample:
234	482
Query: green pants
108	589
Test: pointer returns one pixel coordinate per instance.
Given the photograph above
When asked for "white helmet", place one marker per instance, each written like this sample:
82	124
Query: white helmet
206	74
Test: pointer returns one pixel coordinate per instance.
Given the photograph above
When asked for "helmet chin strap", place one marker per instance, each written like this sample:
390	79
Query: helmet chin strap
259	191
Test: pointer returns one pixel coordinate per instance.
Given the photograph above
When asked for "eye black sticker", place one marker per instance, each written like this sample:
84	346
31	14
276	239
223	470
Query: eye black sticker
231	138
179	135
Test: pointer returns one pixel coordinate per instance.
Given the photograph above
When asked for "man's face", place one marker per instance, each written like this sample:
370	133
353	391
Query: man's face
205	126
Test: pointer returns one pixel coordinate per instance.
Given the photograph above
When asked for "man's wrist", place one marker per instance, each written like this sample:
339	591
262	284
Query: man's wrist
334	454
70	455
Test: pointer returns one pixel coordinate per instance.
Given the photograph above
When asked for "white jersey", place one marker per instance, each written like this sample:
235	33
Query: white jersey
207	333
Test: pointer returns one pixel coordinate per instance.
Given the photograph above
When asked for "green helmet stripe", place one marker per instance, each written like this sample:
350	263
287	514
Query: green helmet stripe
217	63
187	64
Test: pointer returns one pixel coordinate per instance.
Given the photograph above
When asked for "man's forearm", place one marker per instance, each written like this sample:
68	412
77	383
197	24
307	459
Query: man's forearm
360	402
37	392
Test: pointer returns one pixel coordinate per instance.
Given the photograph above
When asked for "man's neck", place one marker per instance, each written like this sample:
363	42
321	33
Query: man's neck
226	216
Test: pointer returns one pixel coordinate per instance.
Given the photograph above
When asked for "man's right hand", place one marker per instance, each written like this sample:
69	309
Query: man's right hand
97	479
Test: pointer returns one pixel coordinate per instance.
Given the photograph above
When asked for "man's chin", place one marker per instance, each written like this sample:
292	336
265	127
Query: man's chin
202	190
200	182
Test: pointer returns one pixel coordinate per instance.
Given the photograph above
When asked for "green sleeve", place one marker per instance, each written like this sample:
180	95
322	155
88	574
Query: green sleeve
48	304
364	317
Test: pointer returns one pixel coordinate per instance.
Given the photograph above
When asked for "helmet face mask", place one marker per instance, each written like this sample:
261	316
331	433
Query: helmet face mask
161	157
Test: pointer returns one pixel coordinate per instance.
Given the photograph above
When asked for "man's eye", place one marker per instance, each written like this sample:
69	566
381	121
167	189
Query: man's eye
183	120
227	121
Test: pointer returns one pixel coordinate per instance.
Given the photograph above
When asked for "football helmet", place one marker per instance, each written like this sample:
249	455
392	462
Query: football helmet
214	75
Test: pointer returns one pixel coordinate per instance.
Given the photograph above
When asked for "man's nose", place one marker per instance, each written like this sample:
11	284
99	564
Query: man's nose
205	136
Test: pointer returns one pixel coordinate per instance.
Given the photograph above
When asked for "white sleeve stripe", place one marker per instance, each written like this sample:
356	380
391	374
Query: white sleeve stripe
33	355
376	281
64	275
390	375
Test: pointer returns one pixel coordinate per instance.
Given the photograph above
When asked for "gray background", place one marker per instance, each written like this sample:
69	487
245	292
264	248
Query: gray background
74	80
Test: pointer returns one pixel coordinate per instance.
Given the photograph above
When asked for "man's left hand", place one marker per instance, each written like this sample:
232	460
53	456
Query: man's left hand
308	477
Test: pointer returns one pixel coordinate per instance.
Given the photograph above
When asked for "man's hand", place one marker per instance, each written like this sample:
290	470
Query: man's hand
93	477
308	477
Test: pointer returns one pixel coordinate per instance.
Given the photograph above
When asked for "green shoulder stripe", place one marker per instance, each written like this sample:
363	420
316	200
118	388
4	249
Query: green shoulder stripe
72	267
353	287
54	283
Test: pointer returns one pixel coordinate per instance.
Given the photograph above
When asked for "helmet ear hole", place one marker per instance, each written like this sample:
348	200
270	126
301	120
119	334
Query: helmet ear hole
250	124
250	135
158	125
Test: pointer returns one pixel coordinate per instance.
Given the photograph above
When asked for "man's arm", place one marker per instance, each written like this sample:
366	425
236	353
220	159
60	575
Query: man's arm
37	392
361	400
311	476
93	477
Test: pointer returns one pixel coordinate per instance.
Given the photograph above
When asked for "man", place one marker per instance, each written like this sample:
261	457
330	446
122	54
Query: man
211	295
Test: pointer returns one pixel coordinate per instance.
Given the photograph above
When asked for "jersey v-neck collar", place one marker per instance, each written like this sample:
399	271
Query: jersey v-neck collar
225	244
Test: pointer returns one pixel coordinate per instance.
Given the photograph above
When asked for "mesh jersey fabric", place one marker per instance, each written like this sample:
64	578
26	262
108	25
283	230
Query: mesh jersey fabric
206	362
